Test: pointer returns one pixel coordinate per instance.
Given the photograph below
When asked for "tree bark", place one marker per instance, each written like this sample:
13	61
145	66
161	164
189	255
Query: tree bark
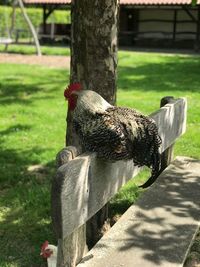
94	48
94	65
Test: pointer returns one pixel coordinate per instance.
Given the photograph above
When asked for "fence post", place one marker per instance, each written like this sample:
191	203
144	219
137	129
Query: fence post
167	155
72	248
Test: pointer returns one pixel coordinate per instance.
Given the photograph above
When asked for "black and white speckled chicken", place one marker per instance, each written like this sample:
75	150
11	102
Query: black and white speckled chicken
114	133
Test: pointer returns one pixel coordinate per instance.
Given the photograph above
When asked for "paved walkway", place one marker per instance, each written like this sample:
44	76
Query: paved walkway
48	61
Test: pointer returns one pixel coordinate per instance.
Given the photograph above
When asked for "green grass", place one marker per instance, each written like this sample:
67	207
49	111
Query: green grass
32	131
35	15
30	50
144	78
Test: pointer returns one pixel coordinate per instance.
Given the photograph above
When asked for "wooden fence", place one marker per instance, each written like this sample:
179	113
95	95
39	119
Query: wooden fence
84	184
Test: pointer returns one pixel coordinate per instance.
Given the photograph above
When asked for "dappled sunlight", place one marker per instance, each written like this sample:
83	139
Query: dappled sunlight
4	211
33	113
165	74
25	220
174	195
32	130
27	84
158	228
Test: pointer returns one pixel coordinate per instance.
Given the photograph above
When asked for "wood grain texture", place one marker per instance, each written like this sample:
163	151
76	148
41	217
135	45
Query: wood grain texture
171	121
94	26
71	248
168	154
158	229
87	183
93	51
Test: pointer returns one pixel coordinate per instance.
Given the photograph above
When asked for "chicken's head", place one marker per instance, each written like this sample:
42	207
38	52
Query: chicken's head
47	250
70	95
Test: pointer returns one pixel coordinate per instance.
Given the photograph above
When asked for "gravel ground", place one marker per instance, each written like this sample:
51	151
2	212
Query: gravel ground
48	61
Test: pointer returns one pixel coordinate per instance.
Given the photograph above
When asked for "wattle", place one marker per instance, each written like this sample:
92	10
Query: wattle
72	102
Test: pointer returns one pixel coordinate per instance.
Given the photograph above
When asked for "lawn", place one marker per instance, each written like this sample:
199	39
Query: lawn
32	131
30	49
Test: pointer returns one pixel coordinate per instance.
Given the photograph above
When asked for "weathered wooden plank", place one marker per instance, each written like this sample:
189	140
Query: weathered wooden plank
71	248
87	183
171	121
168	154
158	229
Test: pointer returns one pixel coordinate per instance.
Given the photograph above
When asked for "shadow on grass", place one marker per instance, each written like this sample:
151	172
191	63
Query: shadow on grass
25	84
15	128
25	200
25	221
172	75
25	228
25	182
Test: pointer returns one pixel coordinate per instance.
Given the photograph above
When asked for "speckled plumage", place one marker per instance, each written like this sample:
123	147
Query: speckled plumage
120	133
116	133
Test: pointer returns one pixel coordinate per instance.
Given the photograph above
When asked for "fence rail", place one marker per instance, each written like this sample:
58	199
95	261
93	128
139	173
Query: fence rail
83	185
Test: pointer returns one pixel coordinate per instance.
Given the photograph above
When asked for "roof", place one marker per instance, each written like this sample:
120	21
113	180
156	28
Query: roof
122	2
60	2
156	2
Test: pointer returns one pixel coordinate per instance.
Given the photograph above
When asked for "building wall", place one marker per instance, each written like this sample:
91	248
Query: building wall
164	29
149	22
145	25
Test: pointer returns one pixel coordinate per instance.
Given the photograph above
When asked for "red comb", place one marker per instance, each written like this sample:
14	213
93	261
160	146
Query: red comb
44	245
72	87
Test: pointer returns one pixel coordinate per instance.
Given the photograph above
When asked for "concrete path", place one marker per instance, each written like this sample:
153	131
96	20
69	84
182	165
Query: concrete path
159	228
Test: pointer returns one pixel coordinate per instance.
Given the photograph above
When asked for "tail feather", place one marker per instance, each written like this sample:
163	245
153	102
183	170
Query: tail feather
155	171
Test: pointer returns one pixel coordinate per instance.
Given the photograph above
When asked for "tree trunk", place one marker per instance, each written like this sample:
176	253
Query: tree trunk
32	29
13	16
94	48
93	63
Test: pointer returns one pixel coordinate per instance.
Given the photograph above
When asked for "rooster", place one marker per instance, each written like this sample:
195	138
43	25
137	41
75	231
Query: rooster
114	133
49	252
